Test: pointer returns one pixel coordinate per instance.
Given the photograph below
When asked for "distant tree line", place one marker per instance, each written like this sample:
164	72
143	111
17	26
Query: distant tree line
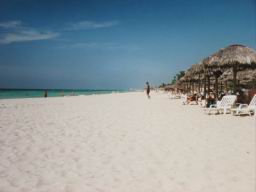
174	79
177	77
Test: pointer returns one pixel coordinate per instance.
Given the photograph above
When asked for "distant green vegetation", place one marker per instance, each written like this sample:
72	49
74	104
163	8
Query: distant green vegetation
177	77
162	85
174	79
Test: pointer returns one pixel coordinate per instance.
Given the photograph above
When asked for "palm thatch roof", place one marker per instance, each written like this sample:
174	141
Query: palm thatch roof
229	60
188	75
172	87
182	79
193	73
197	68
211	61
232	55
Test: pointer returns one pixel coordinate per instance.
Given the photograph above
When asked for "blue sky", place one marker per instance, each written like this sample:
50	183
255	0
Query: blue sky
114	44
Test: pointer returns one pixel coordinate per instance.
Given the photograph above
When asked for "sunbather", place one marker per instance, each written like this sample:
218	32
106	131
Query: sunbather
192	99
210	99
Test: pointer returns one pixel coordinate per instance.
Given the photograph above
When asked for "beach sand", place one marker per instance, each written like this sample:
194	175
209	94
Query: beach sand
123	142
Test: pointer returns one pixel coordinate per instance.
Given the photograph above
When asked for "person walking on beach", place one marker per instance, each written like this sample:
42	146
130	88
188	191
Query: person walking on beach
148	89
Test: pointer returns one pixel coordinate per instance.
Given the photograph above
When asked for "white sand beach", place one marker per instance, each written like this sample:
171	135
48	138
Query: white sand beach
123	142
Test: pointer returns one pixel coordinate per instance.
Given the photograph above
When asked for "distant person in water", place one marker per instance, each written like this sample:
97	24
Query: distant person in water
45	93
148	89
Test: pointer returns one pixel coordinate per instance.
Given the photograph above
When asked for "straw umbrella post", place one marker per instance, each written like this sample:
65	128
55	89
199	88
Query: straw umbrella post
217	73
207	76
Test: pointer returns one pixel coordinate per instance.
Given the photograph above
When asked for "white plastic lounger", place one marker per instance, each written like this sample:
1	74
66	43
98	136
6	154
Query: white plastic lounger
245	108
202	103
172	96
184	99
224	105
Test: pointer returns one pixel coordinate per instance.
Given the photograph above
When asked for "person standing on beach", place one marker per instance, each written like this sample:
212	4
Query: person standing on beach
148	89
45	93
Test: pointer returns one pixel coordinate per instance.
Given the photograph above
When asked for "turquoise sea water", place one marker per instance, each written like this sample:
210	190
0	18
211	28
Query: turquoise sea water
32	93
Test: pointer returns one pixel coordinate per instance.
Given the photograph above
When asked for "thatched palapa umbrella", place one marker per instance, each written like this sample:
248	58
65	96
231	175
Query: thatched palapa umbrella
183	81
236	57
190	78
212	66
196	72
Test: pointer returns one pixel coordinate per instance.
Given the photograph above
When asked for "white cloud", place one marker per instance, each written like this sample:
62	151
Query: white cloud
86	25
26	35
17	32
10	24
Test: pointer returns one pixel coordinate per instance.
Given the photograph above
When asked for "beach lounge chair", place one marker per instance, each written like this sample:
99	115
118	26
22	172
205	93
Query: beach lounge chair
184	99
174	96
222	106
245	108
202	103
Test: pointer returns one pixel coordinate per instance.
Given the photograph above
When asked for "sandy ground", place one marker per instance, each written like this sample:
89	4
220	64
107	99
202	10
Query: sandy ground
123	143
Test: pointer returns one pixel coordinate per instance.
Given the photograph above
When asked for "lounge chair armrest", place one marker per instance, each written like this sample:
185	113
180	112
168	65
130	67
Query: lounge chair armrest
243	106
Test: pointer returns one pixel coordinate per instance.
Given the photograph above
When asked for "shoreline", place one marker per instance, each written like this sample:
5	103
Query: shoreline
68	94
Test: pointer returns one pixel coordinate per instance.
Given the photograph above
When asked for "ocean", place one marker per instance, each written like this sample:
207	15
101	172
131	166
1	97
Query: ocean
34	93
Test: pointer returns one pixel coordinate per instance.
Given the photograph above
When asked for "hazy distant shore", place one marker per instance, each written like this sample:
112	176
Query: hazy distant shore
122	142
